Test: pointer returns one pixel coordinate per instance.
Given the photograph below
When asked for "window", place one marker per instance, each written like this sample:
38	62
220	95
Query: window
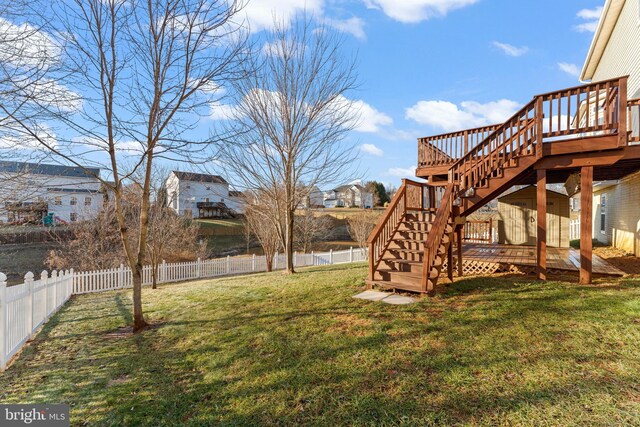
603	213
87	201
73	201
57	201
73	217
208	188
206	200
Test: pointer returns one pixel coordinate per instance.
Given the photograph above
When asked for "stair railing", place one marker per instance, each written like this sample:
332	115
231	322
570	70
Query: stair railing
411	196
633	116
435	236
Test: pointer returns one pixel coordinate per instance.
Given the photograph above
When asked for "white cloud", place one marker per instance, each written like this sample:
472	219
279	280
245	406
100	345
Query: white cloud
260	14
371	149
510	49
448	116
21	140
353	26
409	11
591	16
219	111
590	13
571	69
370	120
409	172
26	46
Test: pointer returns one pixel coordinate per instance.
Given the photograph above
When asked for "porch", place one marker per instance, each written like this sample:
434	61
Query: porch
485	257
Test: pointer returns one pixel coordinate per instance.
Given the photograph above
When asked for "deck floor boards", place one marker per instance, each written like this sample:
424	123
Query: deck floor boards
557	258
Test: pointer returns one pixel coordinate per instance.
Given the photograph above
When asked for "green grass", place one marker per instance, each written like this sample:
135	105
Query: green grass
272	349
220	223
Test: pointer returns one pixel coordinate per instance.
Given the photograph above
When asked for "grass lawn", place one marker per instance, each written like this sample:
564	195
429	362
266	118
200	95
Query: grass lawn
276	350
220	223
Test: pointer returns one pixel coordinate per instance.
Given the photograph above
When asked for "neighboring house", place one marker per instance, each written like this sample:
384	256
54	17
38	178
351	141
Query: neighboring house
349	195
616	217
29	191
197	195
614	52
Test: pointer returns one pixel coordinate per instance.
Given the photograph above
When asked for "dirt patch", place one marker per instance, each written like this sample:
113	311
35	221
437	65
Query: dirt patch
350	324
619	259
127	331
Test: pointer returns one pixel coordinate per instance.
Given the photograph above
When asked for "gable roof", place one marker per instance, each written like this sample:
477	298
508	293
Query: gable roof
199	177
50	170
610	13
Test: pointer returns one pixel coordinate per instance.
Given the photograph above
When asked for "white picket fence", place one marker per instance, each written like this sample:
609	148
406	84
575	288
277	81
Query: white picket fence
574	229
24	308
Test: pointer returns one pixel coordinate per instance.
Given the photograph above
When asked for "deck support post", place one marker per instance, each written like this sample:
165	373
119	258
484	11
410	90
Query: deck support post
450	259
541	231
586	229
459	244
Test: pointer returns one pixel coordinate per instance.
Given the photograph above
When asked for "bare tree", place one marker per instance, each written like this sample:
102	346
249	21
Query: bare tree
310	228
260	220
361	225
141	75
293	114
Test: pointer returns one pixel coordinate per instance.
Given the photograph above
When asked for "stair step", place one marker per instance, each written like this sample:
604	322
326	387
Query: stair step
410	275
411	287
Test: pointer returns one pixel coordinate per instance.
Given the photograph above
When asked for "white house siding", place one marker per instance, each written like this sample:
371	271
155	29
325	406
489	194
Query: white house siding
621	56
184	195
33	188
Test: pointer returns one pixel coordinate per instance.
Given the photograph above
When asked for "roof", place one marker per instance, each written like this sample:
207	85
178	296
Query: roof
51	170
233	193
608	19
199	177
346	187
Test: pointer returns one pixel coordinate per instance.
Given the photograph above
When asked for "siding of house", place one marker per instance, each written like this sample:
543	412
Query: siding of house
622	215
620	57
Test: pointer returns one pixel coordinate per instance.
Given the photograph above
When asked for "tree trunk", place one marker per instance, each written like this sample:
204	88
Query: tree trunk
289	241
154	276
138	318
269	263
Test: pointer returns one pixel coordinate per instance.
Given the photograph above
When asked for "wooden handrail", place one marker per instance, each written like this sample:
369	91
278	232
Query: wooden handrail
448	147
434	237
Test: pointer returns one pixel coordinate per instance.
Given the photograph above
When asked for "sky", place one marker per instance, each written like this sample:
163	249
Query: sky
428	67
432	66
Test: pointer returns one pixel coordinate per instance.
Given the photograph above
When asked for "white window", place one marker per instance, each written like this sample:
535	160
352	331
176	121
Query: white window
73	217
57	201
603	213
87	201
73	201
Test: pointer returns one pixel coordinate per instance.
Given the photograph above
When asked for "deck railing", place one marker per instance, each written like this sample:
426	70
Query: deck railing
446	148
633	117
595	109
478	231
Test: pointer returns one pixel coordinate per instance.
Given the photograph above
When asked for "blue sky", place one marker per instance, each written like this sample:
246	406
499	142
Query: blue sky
430	66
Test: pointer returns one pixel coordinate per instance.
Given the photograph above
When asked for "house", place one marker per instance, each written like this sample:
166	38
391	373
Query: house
196	195
585	137
349	195
313	197
30	191
614	52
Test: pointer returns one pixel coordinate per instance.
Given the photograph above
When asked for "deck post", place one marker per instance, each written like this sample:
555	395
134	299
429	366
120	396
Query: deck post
450	259
541	232
623	133
586	229
459	242
539	127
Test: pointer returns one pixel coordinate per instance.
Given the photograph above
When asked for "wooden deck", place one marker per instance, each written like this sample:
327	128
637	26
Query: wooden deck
567	259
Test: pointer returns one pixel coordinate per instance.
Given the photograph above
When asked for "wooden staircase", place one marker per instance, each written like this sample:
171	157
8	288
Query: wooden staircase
410	244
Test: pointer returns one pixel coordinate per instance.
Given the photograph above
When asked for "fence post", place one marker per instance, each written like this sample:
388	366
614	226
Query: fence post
228	264
44	280
54	276
28	282
70	284
351	254
330	256
313	259
253	263
275	261
198	268
295	258
3	326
